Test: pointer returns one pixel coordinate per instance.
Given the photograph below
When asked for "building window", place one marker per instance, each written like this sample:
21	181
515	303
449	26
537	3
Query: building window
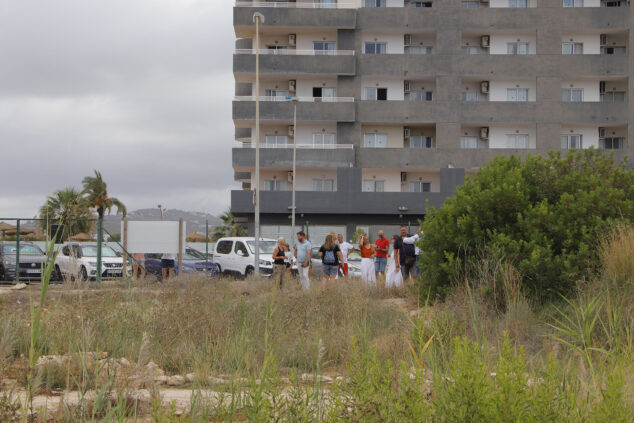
275	93
321	139
275	140
470	4
375	140
275	49
471	50
517	48
613	50
420	187
571	48
375	3
517	141
323	48
517	4
323	92
517	94
572	94
420	4
372	185
327	4
571	141
573	3
326	185
375	48
613	97
469	96
613	143
274	185
468	142
419	50
421	96
375	93
421	142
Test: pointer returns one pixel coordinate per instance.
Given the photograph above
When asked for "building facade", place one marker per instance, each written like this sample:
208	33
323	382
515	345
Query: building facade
400	100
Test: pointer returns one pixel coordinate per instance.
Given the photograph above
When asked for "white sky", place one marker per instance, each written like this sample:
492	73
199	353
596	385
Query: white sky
138	89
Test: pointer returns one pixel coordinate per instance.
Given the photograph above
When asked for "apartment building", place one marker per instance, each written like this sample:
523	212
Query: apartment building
400	100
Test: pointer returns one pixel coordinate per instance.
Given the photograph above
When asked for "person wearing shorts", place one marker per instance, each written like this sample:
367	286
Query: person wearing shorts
167	266
345	248
382	247
330	256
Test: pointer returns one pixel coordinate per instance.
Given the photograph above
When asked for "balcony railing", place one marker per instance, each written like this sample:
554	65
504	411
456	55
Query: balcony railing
299	146
300	99
294	5
295	52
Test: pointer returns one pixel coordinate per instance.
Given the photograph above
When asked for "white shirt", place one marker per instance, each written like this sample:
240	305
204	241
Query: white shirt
168	256
412	240
345	248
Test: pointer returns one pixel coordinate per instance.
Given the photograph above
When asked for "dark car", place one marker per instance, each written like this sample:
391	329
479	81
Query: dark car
32	258
191	264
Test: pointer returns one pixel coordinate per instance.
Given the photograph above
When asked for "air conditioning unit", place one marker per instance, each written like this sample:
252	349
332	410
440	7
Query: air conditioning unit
289	176
403	176
484	87
407	86
484	41
407	132
484	132
292	39
601	132
603	39
602	87
292	85
291	130
407	40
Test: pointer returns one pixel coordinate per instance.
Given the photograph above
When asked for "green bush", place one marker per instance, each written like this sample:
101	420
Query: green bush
542	215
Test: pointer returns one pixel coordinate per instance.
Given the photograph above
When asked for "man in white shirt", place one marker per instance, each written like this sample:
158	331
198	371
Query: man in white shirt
412	240
346	248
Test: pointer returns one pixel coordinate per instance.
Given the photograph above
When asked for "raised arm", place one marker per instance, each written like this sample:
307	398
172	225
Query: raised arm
411	239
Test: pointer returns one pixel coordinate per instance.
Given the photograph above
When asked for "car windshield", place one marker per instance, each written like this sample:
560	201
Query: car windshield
194	254
266	247
91	251
190	257
24	249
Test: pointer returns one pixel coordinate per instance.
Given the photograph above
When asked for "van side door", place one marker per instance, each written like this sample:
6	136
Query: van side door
223	255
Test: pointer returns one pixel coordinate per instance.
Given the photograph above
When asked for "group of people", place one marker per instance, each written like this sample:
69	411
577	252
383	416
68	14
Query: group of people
376	261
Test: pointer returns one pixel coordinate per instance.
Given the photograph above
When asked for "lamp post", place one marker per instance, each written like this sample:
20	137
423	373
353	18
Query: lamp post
257	19
294	100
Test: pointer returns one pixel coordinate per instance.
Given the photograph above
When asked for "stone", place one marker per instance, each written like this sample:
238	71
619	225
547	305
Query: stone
307	377
124	362
216	380
176	380
189	377
160	380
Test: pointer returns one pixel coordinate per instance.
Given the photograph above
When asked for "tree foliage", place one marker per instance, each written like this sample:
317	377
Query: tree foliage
96	195
543	215
69	207
229	227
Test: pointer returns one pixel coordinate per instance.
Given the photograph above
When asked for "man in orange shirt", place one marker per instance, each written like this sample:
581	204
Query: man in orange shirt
382	248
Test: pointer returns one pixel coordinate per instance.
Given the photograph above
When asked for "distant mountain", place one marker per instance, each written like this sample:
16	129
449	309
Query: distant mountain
195	220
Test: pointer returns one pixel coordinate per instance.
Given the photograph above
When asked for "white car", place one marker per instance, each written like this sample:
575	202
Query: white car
237	255
79	261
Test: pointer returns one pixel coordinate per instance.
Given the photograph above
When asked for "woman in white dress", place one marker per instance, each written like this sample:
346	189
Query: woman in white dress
393	277
368	274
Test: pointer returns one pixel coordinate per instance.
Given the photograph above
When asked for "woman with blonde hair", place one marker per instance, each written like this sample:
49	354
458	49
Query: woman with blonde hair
279	261
330	256
367	260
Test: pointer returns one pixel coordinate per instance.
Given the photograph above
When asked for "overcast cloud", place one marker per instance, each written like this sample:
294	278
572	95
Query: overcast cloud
137	89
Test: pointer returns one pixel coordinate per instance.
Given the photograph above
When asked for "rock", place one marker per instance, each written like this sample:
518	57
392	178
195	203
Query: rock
160	380
155	369
216	381
19	287
124	362
176	380
307	377
189	377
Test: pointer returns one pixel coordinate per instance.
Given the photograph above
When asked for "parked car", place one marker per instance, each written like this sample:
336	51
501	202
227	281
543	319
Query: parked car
191	264
236	255
354	266
31	260
79	261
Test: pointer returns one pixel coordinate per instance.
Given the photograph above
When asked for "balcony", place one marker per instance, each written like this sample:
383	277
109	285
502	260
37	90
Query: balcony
498	111
295	15
339	109
594	112
404	111
325	156
302	62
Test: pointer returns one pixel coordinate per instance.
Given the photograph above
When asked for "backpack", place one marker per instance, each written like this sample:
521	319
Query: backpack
329	257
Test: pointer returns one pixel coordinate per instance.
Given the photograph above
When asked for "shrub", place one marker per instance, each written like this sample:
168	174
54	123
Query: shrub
542	215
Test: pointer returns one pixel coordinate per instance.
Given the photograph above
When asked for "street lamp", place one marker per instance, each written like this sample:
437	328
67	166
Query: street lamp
294	100
257	19
162	210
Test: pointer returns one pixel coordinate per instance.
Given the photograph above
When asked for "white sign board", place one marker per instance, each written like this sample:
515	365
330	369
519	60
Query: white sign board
153	237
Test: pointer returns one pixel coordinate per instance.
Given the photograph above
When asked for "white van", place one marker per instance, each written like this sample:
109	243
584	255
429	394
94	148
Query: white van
237	255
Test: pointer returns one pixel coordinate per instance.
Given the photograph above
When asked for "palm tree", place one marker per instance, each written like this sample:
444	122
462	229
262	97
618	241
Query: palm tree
95	194
66	206
229	227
